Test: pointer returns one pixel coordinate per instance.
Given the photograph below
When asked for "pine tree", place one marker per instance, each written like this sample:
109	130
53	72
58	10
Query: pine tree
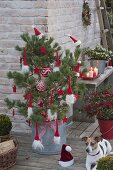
47	76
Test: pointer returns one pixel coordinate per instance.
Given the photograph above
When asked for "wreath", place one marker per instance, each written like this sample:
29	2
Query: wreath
86	14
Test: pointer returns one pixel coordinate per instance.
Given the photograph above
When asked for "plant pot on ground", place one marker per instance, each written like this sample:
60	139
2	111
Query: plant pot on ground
105	163
100	104
5	127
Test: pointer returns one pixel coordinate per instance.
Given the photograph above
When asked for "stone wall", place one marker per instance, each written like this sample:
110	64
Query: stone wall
55	18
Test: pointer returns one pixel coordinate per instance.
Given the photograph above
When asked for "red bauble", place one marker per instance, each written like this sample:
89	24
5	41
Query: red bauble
40	86
43	50
46	71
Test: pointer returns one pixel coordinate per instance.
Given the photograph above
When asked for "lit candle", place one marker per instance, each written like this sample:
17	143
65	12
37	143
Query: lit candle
91	72
96	71
87	75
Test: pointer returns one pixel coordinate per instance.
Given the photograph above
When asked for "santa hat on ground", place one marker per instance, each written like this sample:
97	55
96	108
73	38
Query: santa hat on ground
25	67
37	32
37	143
66	157
57	135
58	62
76	42
70	98
109	64
30	110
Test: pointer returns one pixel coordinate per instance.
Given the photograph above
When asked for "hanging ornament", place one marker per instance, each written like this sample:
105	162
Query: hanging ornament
64	120
70	98
43	50
57	135
30	110
51	116
25	97
46	71
76	42
37	143
25	67
44	114
40	103
58	62
40	86
86	14
77	69
60	93
20	60
13	111
37	32
76	97
36	70
14	88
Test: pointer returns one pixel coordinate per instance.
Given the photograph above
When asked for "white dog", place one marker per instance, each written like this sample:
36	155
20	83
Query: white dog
96	148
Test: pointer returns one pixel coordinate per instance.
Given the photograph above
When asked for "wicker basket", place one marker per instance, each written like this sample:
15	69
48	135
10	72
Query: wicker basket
8	159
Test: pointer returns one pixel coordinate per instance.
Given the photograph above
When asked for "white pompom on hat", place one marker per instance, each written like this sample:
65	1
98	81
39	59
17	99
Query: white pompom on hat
70	98
25	67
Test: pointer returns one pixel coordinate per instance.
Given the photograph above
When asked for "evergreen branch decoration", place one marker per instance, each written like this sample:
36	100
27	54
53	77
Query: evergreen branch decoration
86	14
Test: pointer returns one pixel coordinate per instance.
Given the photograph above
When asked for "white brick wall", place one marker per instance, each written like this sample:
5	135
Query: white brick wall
55	17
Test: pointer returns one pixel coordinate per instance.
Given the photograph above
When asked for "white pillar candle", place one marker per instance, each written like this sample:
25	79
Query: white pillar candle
91	72
87	75
96	71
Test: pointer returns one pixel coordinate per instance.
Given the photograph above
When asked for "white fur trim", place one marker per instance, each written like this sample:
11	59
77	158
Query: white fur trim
79	62
66	164
33	26
68	148
40	36
25	68
109	66
55	69
68	35
37	144
30	112
57	139
77	43
70	99
77	74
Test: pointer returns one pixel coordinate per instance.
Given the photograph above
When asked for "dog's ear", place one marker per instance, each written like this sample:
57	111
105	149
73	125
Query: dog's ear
84	138
98	138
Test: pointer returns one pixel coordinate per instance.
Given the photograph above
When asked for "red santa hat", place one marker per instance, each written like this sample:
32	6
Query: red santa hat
37	143
30	110
58	62
66	157
109	64
37	32
77	68
70	98
25	67
76	42
57	135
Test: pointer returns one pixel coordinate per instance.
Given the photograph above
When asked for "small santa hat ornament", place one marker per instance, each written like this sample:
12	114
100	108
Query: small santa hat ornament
25	67
14	88
58	62
70	98
76	42
57	135
37	143
30	110
66	157
109	64
77	69
37	32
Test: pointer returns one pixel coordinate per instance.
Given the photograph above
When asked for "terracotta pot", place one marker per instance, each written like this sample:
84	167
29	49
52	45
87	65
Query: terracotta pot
106	128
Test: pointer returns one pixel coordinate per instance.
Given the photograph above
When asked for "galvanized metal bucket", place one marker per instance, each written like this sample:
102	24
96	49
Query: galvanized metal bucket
46	133
100	64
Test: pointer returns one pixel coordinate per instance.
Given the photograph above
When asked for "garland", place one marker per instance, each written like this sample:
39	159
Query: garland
86	14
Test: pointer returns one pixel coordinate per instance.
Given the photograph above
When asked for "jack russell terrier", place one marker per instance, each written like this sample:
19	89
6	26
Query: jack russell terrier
96	148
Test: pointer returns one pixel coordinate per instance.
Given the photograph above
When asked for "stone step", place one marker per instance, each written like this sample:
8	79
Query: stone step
9	66
4	81
2	103
3	109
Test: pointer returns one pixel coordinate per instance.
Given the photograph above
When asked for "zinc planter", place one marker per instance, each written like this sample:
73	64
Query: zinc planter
46	133
106	128
100	64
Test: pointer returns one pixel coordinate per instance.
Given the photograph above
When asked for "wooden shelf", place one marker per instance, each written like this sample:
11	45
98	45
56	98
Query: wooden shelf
99	80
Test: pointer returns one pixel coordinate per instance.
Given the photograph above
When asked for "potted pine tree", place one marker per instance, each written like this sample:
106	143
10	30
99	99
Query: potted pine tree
105	163
48	82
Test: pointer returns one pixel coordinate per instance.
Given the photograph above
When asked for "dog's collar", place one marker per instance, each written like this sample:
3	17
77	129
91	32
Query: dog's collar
95	154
